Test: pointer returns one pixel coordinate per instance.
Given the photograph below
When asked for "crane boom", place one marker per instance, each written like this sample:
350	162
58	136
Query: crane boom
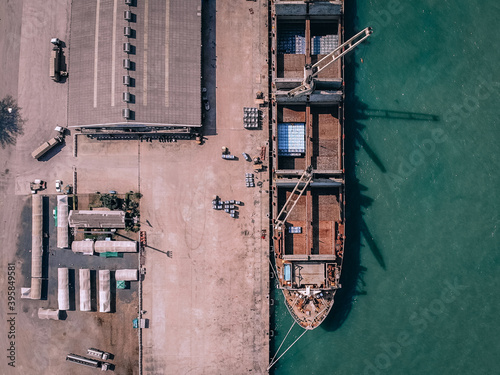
312	71
294	197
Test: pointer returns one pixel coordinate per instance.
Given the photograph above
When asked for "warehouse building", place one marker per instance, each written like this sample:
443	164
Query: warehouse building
135	69
96	219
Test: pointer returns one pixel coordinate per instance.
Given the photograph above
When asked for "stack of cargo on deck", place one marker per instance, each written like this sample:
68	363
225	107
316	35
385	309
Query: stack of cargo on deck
324	44
291	39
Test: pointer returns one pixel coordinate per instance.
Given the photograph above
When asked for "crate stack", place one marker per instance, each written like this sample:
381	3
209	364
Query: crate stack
249	180
324	44
292	40
230	207
291	139
251	118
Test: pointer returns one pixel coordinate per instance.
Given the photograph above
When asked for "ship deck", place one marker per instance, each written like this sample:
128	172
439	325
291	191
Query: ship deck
308	162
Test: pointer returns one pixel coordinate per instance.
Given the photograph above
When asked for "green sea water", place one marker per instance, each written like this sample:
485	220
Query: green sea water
421	281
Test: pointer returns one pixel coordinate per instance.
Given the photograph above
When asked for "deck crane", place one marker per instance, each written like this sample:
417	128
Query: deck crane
312	71
292	200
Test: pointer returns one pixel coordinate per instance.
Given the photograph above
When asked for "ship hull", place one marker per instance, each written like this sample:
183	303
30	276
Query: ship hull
308	177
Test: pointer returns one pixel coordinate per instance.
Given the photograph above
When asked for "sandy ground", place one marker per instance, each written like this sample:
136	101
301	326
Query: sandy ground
208	304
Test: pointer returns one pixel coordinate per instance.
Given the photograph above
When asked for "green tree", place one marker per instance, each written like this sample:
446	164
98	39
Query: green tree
11	122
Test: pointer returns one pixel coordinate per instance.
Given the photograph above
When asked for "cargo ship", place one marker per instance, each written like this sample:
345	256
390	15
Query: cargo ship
308	176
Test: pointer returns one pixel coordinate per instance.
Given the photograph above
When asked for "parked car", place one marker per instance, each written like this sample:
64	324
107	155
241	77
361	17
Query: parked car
58	185
246	156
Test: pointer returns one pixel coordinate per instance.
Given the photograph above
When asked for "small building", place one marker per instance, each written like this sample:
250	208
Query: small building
85	247
96	219
85	303
63	288
48	314
115	247
127	275
104	291
62	221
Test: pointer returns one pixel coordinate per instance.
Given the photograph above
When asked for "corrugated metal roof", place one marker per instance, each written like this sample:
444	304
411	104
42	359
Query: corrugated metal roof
63	288
127	275
165	63
85	304
104	291
96	219
62	221
85	247
115	246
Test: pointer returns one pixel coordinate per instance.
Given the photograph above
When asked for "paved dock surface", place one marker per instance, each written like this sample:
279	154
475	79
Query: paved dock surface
208	304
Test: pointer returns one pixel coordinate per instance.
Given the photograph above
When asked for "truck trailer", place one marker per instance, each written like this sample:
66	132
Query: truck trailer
46	146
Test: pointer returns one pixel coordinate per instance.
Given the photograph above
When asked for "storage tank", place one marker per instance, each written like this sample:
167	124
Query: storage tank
48	314
127	275
37	236
84	247
62	221
85	304
104	291
63	288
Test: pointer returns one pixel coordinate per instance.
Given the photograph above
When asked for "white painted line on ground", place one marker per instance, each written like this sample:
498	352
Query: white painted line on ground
113	54
145	68
167	32
96	49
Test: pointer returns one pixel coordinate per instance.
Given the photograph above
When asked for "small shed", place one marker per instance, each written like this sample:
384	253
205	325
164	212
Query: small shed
104	291
48	314
85	304
85	247
127	275
63	288
62	221
115	246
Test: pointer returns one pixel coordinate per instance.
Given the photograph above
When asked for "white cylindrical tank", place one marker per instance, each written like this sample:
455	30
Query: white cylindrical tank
104	291
85	304
127	275
63	288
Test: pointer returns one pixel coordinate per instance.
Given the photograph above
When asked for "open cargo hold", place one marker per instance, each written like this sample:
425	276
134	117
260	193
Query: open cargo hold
115	246
62	221
84	247
63	288
104	291
127	275
48	314
85	304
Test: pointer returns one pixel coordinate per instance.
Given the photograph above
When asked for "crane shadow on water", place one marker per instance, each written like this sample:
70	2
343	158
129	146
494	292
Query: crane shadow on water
357	198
